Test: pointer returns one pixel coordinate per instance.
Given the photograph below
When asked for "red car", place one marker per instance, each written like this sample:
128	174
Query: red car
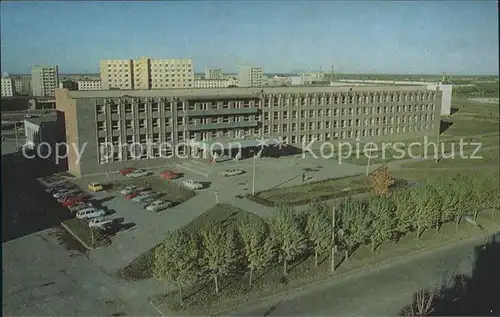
168	175
72	200
130	196
127	170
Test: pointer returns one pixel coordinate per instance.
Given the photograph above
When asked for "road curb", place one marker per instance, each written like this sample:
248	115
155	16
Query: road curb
328	278
86	246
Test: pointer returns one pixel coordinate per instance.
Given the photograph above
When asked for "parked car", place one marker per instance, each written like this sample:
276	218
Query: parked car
142	196
99	222
146	202
69	194
168	175
62	192
95	187
79	206
56	187
158	205
231	172
72	200
139	173
191	184
128	190
127	170
131	195
90	212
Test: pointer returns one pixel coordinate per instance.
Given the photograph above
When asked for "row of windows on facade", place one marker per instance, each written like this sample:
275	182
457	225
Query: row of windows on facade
155	108
350	99
181	121
156	148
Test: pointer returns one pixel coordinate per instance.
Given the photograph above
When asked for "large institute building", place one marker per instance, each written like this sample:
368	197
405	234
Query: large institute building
191	116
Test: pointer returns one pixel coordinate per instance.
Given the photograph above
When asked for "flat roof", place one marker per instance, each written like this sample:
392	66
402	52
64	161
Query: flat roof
233	92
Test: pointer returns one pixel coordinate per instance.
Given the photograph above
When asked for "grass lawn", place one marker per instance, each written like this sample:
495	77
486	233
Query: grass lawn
80	228
432	176
172	191
489	157
141	267
236	292
322	190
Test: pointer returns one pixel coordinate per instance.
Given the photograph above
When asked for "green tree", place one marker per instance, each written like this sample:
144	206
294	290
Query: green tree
258	244
427	207
450	200
483	193
462	187
319	229
176	259
384	221
347	240
405	211
288	232
220	251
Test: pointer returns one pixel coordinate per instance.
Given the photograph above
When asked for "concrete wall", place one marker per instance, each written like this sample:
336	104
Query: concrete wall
447	91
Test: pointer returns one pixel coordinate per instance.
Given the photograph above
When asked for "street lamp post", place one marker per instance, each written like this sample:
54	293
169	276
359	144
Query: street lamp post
15	132
253	172
216	197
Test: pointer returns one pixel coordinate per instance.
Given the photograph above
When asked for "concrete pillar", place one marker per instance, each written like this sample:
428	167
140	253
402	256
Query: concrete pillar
205	154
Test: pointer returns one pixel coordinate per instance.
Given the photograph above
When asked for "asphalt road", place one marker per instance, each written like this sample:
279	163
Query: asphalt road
380	293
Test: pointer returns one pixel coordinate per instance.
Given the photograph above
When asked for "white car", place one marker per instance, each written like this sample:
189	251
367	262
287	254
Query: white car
142	196
63	192
138	173
80	206
128	190
99	222
91	212
190	184
232	172
159	205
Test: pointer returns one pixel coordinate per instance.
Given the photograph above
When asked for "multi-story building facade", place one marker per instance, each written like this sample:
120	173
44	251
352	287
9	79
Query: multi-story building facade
88	84
250	76
7	87
211	83
147	73
295	114
22	85
214	73
44	80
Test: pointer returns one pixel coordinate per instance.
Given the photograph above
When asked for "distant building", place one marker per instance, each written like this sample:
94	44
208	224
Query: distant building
22	85
7	87
42	134
250	76
44	80
211	83
278	81
89	84
299	80
68	84
214	73
147	73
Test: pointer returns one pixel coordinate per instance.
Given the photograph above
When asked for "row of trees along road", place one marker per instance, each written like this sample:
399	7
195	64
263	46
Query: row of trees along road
253	245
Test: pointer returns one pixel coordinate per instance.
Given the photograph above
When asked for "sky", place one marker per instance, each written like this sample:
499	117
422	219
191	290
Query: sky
418	37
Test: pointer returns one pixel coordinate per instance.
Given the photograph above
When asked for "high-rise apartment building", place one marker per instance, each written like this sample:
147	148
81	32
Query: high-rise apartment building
116	74
147	73
7	87
214	73
44	80
22	85
250	76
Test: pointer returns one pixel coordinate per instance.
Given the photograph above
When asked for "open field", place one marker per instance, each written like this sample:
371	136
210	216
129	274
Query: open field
488	158
236	292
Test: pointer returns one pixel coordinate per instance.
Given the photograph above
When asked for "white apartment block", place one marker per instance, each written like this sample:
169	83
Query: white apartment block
214	73
147	73
7	87
116	74
250	76
88	84
211	83
44	80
